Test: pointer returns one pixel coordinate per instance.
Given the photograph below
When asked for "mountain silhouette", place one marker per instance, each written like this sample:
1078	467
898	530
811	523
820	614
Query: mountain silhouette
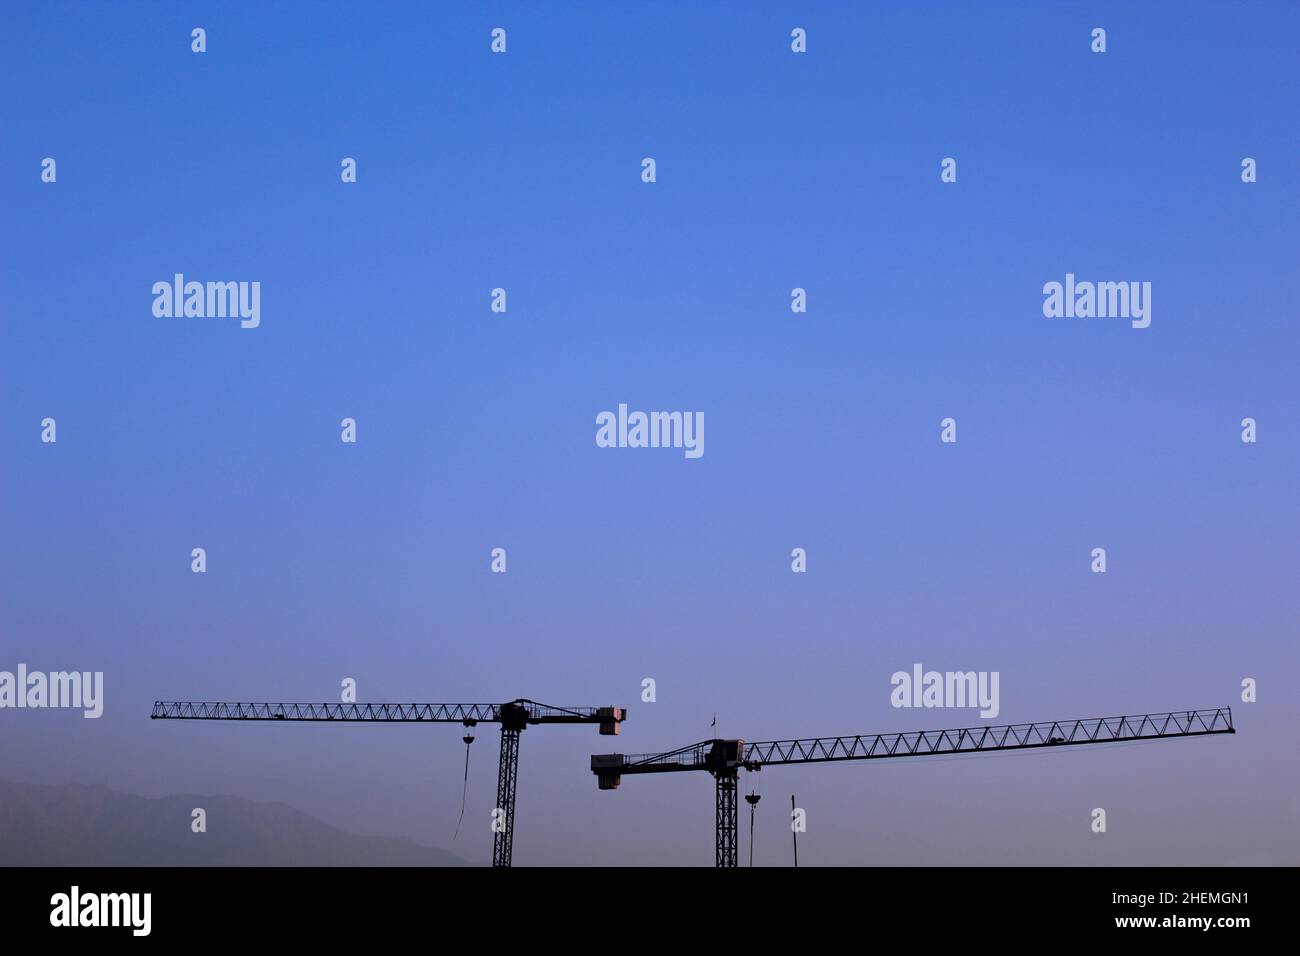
77	825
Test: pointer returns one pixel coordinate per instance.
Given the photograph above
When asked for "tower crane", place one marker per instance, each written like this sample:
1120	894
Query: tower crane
724	759
513	716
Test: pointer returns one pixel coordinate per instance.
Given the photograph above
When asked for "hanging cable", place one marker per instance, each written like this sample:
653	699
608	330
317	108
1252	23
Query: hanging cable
752	799
469	739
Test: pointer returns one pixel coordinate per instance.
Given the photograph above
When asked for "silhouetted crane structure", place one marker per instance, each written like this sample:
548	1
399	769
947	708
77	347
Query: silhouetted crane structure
513	717
724	759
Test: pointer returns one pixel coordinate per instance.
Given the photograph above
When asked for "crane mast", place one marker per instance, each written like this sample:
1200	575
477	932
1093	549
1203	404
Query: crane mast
724	759
513	716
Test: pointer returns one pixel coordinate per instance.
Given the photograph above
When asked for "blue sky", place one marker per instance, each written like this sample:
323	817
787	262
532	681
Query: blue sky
476	430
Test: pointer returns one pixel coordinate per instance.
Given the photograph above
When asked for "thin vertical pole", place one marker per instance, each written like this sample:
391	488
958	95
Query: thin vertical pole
794	834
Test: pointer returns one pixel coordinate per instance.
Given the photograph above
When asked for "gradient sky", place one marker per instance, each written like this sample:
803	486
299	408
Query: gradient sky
476	430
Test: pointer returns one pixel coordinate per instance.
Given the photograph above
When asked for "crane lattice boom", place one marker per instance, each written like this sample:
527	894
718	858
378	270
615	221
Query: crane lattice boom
707	754
529	711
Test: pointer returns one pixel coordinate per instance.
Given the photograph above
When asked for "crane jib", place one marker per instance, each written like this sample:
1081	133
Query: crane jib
728	756
518	712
